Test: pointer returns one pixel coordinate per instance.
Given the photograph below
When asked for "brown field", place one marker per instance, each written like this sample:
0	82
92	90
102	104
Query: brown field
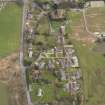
10	75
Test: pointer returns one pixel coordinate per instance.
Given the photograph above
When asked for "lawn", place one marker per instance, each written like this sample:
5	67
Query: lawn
56	25
10	26
4	95
50	90
93	67
50	93
43	26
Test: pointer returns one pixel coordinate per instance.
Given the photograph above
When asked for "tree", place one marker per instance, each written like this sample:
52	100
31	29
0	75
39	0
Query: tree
20	2
81	3
27	61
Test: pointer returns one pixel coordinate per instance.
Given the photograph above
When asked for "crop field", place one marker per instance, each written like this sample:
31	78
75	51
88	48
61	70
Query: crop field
10	19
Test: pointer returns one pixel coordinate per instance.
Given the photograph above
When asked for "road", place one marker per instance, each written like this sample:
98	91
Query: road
23	70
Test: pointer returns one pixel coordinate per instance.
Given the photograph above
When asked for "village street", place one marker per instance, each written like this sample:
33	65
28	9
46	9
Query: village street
23	69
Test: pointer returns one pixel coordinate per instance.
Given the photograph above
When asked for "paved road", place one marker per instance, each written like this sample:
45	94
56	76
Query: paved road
23	70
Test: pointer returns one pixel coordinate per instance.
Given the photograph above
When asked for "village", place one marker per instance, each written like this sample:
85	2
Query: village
52	52
54	74
58	60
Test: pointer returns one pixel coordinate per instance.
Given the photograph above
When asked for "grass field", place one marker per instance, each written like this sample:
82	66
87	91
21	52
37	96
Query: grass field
10	20
4	95
92	62
93	66
10	25
96	19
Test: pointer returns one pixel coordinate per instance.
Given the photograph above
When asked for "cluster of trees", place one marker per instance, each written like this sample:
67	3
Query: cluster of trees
73	3
20	2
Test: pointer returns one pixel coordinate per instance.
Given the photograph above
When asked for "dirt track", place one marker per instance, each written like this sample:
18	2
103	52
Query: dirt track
10	75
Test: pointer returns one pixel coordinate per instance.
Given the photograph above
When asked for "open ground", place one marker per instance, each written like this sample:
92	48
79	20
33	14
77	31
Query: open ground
94	22
92	63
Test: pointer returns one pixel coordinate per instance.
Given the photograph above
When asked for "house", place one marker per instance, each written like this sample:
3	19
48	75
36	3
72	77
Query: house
40	92
75	62
77	74
30	52
62	30
63	74
74	86
36	74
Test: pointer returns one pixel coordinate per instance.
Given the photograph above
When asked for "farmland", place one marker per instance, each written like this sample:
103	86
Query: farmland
10	17
91	61
4	96
93	66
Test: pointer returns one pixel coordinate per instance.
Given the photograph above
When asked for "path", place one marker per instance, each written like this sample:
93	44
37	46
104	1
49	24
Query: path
86	24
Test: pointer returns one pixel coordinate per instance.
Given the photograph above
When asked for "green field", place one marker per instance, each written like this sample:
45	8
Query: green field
10	25
4	95
93	67
92	63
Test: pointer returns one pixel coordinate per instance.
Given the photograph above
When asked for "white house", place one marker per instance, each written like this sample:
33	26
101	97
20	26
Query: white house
30	53
75	61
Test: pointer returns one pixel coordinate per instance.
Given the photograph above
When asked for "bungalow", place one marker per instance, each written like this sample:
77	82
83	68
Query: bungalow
35	74
75	62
